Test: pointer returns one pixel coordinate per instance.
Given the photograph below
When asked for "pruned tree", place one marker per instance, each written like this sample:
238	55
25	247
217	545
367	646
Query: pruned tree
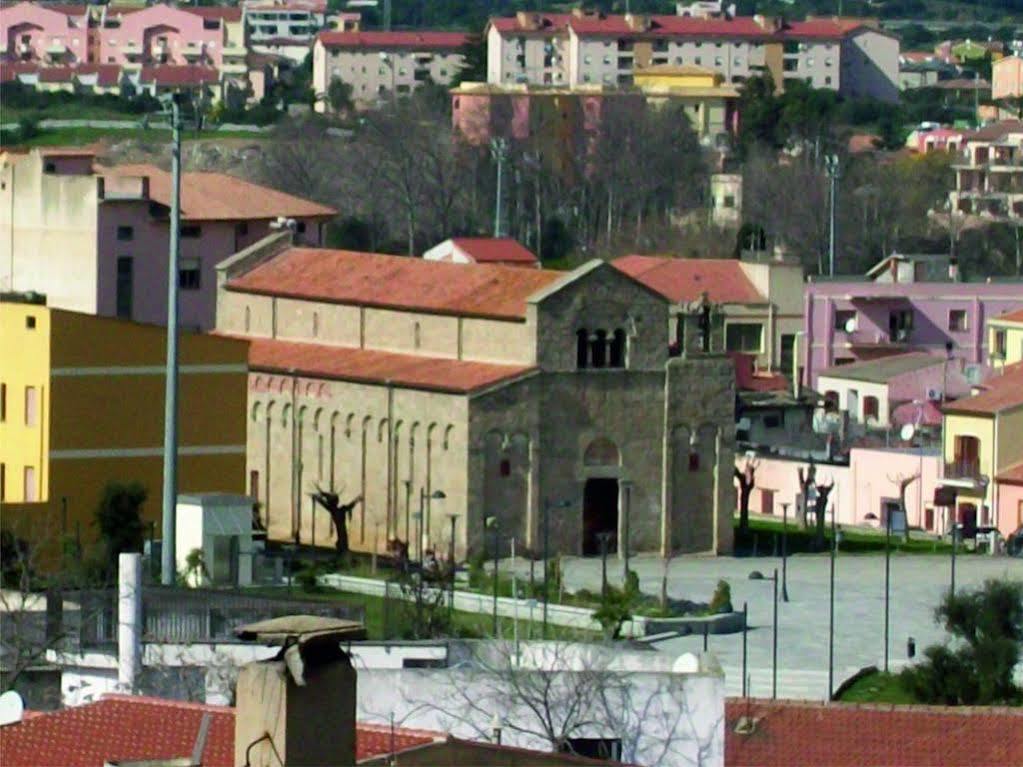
746	477
339	513
822	491
903	483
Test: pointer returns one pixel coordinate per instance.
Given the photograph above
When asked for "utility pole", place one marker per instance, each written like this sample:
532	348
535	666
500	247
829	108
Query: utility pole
831	608
170	413
887	579
499	149
834	172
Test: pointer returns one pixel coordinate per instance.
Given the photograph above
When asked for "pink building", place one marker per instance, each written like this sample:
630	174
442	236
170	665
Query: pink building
951	140
1009	486
57	34
163	34
866	490
95	239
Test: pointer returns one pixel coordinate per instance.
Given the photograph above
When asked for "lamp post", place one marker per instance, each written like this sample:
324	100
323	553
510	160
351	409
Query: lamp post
499	149
418	517
451	565
547	508
756	575
627	487
834	171
494	524
887	579
408	511
831	609
785	550
604	538
170	413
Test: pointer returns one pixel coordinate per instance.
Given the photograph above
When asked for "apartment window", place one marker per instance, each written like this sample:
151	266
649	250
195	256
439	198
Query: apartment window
30	322
125	233
3	402
744	337
679	60
871	408
125	286
191	231
844	318
900	324
31	406
790	65
30	485
1000	344
737	62
698	60
957	320
809	62
49	167
828	61
587	59
694	461
827	80
188	274
3	481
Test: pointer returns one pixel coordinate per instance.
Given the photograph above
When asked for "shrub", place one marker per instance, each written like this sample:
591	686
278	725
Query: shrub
721	602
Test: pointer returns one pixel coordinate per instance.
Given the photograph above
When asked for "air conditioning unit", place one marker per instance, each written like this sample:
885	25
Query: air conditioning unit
934	395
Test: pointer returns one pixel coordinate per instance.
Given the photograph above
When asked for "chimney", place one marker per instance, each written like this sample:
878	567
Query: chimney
953	269
297	709
129	620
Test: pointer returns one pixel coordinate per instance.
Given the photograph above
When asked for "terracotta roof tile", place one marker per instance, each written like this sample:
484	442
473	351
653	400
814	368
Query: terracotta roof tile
224	12
1013	475
685	279
420	40
790	733
1000	393
369	279
372	366
125	727
486	250
1016	316
220	197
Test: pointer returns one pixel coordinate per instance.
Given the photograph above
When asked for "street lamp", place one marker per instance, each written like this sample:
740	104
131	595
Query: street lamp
494	524
604	538
627	488
418	517
451	566
785	550
756	575
831	609
424	516
499	149
548	507
834	171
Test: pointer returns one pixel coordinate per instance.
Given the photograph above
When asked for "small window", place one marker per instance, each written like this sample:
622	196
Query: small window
729	201
957	320
125	286
49	167
188	274
300	227
191	231
3	402
30	322
31	496
839	361
694	461
1000	344
125	233
31	406
242	228
505	467
871	408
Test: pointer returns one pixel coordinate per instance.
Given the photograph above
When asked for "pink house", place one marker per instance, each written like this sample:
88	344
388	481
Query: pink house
866	490
949	140
163	34
1009	488
57	34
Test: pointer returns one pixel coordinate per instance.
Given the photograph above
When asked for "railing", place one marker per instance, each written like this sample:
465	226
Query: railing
962	468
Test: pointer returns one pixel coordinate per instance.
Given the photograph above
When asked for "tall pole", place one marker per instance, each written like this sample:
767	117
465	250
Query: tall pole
955	539
831	610
831	166
497	554
785	551
625	532
499	148
887	580
745	629
774	640
604	539
170	413
451	567
546	551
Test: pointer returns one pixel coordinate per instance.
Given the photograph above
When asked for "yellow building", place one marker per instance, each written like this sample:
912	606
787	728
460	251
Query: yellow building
981	436
1005	339
707	100
81	405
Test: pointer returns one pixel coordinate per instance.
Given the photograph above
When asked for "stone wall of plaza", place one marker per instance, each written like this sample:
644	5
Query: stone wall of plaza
602	446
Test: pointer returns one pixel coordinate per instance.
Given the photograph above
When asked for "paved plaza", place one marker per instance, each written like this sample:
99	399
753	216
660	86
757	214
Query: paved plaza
917	584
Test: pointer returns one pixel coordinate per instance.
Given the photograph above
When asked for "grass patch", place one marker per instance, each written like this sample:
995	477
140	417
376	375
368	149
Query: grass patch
764	534
82	136
878	687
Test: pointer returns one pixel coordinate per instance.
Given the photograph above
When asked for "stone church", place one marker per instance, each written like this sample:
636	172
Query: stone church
491	401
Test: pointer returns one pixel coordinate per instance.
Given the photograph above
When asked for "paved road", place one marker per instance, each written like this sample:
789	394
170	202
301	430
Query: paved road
917	584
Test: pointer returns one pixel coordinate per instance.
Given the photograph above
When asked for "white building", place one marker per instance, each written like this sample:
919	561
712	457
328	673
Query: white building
851	56
295	20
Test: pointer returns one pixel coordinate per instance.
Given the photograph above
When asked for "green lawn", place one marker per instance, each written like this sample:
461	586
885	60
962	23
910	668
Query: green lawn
878	687
81	136
70	110
853	541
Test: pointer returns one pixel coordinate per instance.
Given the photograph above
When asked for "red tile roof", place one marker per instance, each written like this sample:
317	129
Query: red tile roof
1013	475
685	279
398	282
1016	316
377	367
1000	393
420	40
107	74
220	197
224	12
169	75
126	727
56	74
789	733
489	250
68	9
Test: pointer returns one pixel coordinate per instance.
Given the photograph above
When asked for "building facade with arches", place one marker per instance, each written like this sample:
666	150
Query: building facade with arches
488	400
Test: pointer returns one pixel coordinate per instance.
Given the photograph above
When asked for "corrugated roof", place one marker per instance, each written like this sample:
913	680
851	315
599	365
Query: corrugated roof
486	250
135	728
421	40
883	369
377	367
1000	393
685	279
370	279
787	733
220	197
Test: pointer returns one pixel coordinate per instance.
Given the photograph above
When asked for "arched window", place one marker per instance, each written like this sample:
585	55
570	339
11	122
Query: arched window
618	347
598	349
582	348
316	324
601	452
285	415
255	412
871	408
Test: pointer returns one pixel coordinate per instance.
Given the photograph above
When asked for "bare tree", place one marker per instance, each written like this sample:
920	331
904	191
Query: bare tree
339	513
808	481
903	483
747	481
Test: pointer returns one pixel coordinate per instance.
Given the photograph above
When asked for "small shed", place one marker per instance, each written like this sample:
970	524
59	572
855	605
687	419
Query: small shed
219	525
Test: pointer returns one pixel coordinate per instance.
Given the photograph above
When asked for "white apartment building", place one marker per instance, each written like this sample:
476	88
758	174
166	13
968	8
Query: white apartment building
295	20
989	180
846	55
378	64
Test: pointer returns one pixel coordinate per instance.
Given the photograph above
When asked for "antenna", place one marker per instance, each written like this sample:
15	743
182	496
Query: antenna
11	708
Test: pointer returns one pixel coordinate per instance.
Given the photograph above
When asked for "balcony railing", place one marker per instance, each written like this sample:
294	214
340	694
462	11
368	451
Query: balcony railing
963	468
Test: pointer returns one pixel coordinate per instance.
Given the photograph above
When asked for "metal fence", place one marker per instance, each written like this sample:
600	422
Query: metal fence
177	615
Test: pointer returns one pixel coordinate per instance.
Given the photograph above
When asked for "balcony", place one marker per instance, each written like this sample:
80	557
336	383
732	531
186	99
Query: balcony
194	50
56	49
234	68
132	48
234	51
964	473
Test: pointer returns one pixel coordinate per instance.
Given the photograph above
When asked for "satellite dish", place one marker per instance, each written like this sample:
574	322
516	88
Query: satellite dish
907	432
850	325
11	708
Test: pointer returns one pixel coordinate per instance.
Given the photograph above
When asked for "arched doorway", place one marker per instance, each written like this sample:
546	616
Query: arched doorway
600	496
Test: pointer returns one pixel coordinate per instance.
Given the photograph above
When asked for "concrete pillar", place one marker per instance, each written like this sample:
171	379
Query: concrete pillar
129	619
